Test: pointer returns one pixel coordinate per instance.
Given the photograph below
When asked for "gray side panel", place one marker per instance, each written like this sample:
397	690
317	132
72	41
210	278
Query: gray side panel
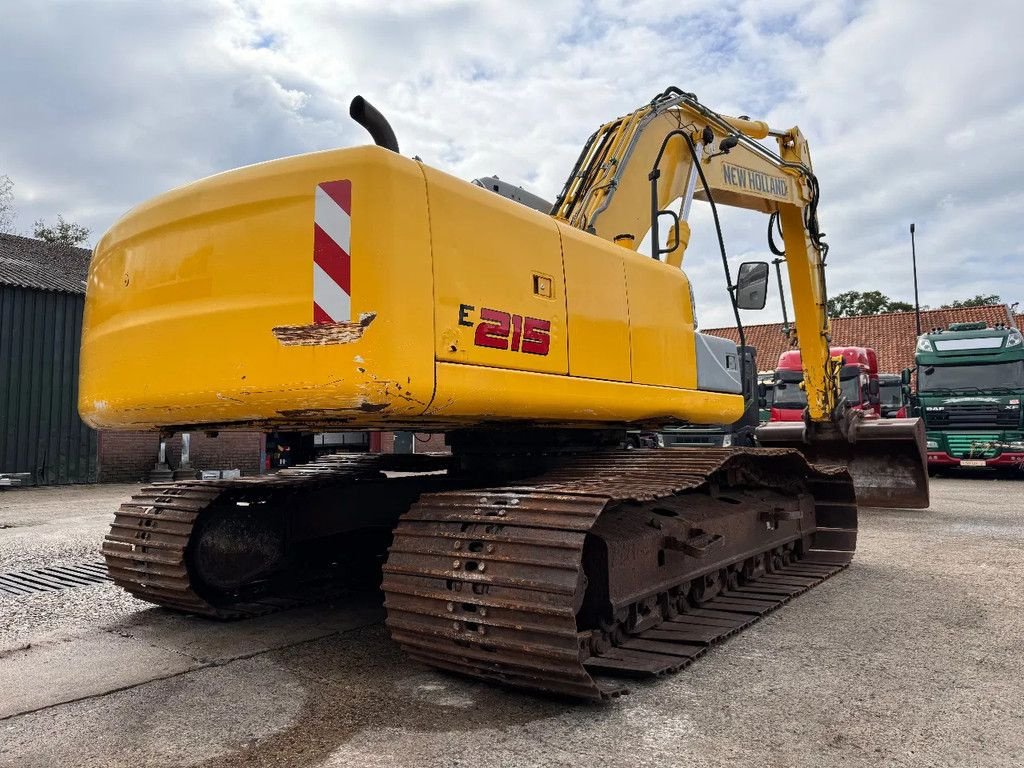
718	365
513	192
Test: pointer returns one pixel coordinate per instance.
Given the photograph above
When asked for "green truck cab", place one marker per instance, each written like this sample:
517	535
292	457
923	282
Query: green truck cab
969	391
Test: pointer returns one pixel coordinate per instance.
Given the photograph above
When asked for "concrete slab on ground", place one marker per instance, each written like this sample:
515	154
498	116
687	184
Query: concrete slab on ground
909	658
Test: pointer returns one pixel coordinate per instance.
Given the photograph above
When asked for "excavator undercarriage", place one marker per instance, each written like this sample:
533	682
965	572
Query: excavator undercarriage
607	564
238	548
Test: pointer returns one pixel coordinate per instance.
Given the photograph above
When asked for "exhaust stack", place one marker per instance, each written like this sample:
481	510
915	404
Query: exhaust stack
367	115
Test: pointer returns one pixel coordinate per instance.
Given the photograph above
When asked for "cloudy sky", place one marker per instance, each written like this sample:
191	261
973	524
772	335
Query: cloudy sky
911	108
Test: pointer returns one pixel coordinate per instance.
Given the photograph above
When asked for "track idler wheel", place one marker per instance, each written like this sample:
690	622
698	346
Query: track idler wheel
236	547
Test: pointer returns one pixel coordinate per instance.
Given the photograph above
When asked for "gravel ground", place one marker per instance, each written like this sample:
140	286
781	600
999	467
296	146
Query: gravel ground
911	657
57	526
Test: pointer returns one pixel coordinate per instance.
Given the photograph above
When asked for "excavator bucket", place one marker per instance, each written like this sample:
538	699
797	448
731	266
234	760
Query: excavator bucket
885	457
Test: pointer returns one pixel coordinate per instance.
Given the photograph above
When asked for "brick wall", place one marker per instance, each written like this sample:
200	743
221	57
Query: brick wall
126	457
228	450
424	442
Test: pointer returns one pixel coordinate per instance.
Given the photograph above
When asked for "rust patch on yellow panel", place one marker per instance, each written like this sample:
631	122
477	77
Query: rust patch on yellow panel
322	334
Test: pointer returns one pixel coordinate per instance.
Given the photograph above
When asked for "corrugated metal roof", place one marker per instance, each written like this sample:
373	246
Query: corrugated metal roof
892	335
29	263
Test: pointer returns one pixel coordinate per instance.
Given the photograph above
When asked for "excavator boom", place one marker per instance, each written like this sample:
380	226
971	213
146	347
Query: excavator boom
676	148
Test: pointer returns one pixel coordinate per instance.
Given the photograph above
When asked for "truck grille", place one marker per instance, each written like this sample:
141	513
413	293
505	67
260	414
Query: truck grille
974	415
973	445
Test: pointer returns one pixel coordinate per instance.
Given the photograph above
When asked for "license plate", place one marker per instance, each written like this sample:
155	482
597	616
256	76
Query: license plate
972	462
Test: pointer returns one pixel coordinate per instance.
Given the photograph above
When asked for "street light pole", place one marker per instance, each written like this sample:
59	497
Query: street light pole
913	256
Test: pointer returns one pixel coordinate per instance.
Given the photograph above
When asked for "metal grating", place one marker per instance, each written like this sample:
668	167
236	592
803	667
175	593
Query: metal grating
53	578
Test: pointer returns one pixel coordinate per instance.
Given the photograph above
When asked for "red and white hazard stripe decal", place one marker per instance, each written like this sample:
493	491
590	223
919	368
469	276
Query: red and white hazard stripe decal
332	267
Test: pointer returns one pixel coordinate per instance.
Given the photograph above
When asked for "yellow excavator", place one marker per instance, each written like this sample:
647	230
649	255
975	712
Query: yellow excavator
359	289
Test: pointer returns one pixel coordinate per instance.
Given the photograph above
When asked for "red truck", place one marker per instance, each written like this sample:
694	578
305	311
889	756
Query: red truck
858	379
894	394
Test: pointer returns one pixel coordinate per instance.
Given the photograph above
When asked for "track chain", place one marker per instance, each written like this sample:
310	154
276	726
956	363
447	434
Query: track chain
488	583
147	547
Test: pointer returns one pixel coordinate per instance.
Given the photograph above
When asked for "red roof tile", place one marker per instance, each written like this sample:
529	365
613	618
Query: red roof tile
892	335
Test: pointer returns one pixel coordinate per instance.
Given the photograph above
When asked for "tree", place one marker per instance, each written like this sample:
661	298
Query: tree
856	303
6	203
978	301
63	232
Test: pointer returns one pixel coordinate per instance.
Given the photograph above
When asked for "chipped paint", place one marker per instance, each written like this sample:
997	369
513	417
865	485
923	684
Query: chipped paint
323	334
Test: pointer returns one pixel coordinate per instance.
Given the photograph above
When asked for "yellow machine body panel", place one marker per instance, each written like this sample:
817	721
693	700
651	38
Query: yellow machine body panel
200	310
595	298
660	324
499	280
474	393
185	292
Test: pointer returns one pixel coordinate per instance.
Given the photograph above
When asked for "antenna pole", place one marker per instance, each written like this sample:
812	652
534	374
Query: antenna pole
913	256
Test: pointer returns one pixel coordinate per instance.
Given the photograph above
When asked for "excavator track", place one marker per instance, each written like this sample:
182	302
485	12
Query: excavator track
499	583
149	550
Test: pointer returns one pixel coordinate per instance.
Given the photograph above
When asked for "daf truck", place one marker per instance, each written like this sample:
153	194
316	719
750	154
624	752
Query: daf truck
971	381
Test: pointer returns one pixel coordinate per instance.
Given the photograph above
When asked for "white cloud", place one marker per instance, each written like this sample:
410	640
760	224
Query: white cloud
911	108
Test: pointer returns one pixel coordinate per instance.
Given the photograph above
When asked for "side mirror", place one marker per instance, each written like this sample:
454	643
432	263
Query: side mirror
873	388
752	285
905	377
762	395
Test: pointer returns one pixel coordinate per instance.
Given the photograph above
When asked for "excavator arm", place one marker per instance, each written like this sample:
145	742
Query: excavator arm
608	191
674	150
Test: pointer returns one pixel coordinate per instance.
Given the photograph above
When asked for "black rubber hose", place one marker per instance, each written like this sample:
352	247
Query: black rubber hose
721	248
367	115
773	225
